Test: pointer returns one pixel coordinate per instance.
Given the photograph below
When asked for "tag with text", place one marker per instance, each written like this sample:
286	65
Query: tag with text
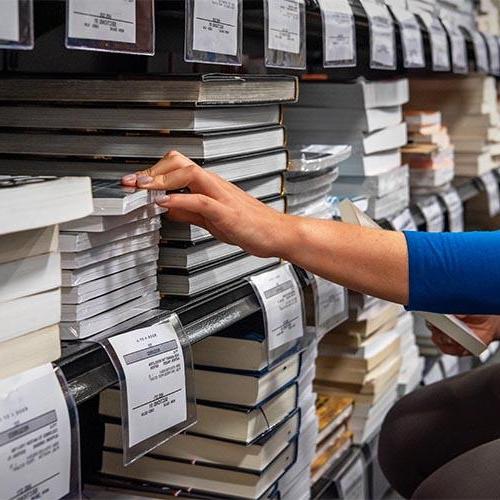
454	209
403	221
458	47
330	303
433	215
411	38
490	183
9	21
284	25
438	41
494	53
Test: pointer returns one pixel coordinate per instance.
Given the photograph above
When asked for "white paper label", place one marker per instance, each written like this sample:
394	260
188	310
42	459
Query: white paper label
458	48
284	25
404	222
281	301
490	183
439	42
330	301
411	36
455	210
382	42
480	51
153	363
352	483
35	436
110	20
215	26
9	20
493	50
433	216
339	42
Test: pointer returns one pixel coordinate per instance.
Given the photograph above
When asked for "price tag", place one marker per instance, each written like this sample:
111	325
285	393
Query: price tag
480	51
284	25
216	26
493	50
411	38
352	483
438	41
339	33
382	41
35	436
490	183
9	21
112	20
455	210
281	299
330	303
433	215
458	47
403	221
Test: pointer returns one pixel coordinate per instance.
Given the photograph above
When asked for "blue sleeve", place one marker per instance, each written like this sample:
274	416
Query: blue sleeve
454	273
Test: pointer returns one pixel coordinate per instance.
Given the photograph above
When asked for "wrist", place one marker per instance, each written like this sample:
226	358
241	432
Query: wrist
286	237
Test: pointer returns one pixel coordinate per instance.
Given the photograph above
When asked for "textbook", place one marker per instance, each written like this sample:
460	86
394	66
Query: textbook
192	90
448	324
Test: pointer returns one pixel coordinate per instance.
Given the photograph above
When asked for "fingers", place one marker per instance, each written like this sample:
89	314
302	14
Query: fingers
197	204
178	215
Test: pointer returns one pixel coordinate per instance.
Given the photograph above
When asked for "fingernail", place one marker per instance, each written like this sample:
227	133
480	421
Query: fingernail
144	179
162	199
129	178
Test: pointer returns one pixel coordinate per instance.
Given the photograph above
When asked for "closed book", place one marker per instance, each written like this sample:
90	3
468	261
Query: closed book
416	119
331	455
360	164
332	412
388	205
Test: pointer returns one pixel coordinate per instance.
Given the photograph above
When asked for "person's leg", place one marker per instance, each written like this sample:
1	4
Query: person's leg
435	424
472	475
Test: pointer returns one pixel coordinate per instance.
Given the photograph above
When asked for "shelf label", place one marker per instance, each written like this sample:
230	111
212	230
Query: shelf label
9	21
216	26
339	33
112	20
284	31
438	41
329	301
382	40
411	38
403	221
280	296
35	436
433	215
352	484
493	50
458	47
455	209
480	51
490	183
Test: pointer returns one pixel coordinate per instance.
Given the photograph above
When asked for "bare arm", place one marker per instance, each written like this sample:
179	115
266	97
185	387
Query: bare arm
366	260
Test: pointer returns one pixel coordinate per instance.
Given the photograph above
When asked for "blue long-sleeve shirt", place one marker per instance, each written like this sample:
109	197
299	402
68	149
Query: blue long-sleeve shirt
454	273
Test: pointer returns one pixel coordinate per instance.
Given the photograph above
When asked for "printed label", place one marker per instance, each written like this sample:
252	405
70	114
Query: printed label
490	183
330	302
215	26
492	43
458	48
455	210
281	300
411	37
112	20
284	25
404	222
480	51
439	42
153	366
9	20
433	215
35	436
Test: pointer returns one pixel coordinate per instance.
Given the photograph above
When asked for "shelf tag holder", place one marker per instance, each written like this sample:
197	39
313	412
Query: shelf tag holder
454	208
122	26
285	34
490	183
432	213
280	296
16	25
155	371
39	436
403	221
438	42
339	34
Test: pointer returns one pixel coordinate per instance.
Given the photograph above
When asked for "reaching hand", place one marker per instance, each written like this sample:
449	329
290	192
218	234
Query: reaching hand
226	211
487	328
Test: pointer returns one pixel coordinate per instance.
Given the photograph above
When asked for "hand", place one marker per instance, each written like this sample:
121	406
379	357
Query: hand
487	328
226	211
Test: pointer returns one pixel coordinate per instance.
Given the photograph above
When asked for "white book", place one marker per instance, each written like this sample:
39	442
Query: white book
389	205
360	165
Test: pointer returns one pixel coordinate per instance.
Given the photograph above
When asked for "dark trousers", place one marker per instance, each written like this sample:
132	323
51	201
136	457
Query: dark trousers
443	441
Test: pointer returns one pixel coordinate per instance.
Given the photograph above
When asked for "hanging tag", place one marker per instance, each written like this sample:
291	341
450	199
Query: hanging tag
403	221
111	26
16	24
280	297
432	213
454	209
352	483
285	30
39	447
490	183
438	42
411	38
458	47
480	51
214	31
155	371
494	53
382	37
339	34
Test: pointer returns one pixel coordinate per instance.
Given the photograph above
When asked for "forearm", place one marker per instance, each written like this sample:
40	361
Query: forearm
365	260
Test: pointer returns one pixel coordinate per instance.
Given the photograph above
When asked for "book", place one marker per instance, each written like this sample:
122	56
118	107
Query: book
52	201
360	165
244	388
332	454
133	119
29	350
416	120
200	90
389	205
332	412
171	282
203	145
355	95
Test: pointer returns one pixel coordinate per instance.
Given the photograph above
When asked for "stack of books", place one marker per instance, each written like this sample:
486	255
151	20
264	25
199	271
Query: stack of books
469	109
252	421
361	359
335	436
109	261
231	125
368	117
30	265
